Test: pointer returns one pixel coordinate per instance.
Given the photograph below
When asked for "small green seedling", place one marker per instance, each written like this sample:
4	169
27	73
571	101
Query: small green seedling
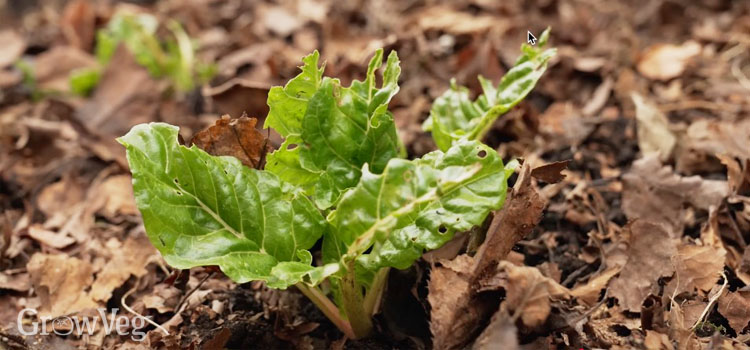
339	176
173	59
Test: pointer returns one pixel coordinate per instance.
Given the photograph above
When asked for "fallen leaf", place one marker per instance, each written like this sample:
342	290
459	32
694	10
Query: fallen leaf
552	172
240	96
13	46
455	316
564	124
697	267
527	291
591	291
125	96
667	61
77	24
650	252
130	260
501	330
163	299
53	67
654	135
705	140
60	282
234	137
735	307
116	197
657	341
655	193
18	282
50	238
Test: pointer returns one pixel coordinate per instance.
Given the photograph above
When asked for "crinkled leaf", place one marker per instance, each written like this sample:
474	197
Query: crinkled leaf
454	115
417	205
342	129
204	210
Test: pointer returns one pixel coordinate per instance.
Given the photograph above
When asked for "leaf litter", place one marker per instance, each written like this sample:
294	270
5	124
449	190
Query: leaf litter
642	244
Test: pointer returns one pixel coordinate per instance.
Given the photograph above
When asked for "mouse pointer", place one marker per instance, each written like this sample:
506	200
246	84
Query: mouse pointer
530	38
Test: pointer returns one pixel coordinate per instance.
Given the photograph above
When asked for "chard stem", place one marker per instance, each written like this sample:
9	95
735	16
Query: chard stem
327	307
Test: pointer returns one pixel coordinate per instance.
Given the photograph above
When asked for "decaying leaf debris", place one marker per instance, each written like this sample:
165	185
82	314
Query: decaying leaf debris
627	228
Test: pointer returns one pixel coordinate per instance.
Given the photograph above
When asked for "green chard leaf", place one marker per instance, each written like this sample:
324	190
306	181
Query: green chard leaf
415	205
454	116
204	210
332	131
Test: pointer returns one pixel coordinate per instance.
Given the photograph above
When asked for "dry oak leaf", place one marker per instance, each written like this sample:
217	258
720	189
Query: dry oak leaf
551	172
132	259
60	282
50	238
667	61
650	253
234	137
735	307
527	291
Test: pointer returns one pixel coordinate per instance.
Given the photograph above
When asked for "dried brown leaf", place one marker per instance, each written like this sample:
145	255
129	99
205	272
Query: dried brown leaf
655	193
131	259
735	307
667	61
61	281
650	253
552	172
654	135
234	137
501	330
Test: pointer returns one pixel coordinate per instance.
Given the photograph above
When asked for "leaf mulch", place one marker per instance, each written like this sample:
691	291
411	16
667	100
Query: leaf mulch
627	227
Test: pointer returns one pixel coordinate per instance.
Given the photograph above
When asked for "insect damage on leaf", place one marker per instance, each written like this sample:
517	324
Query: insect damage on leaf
341	157
234	137
455	116
204	210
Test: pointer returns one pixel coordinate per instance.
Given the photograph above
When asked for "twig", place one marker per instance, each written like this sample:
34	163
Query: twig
129	309
178	309
711	302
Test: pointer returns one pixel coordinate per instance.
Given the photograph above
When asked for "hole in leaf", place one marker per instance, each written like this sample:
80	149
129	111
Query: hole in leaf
225	172
178	193
442	229
482	154
291	146
176	181
161	240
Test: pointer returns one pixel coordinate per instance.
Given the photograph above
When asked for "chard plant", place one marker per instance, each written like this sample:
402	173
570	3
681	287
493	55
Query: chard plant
340	176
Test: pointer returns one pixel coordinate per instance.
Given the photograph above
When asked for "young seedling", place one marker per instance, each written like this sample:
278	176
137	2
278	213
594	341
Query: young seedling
339	176
173	59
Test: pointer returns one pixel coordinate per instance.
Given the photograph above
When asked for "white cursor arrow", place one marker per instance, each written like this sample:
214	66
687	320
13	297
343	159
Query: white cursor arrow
530	38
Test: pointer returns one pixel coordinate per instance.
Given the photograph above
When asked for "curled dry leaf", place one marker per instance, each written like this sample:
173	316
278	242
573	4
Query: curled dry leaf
654	135
60	282
650	251
457	309
667	61
527	291
234	137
